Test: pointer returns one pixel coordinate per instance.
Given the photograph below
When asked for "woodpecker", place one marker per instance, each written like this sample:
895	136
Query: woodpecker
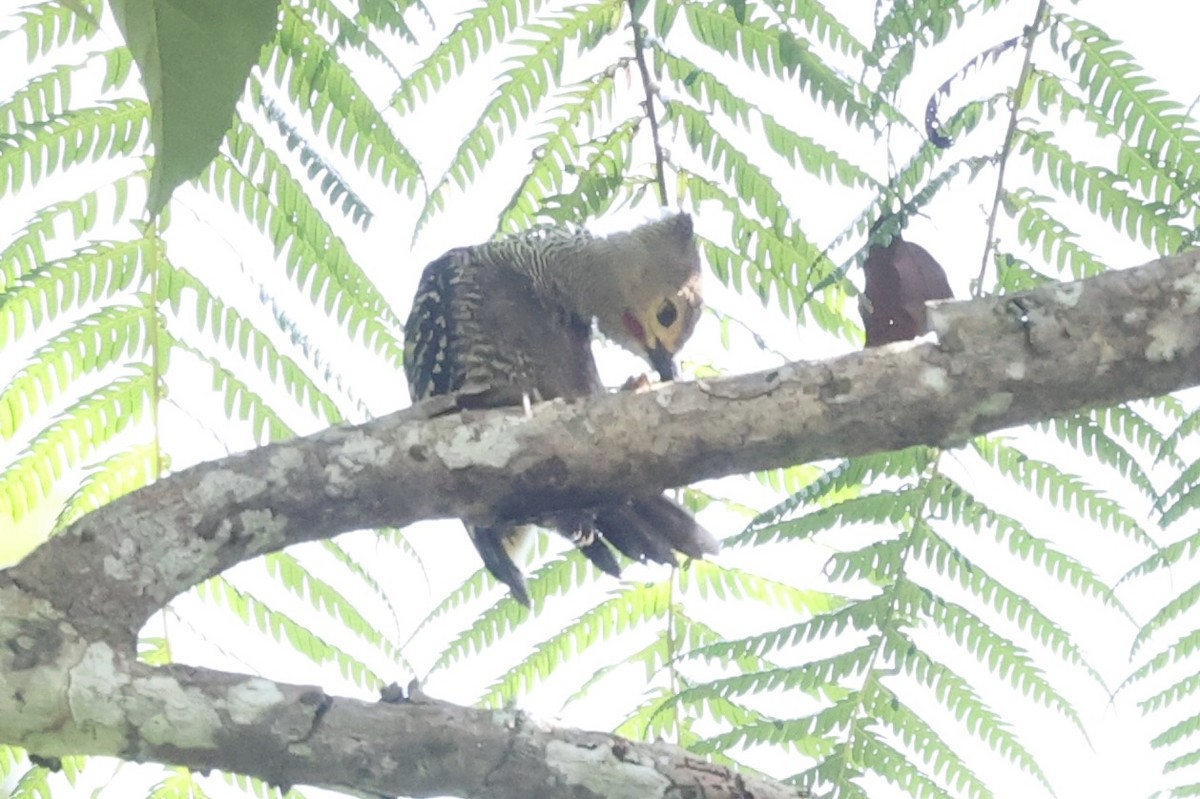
509	322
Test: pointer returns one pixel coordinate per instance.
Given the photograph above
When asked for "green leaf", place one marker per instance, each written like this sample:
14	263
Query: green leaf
194	56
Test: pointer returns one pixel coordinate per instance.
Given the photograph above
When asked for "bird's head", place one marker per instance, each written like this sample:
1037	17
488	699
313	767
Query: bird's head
656	291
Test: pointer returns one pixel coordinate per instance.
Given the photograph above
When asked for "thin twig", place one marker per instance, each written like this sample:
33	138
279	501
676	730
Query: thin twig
639	49
1006	150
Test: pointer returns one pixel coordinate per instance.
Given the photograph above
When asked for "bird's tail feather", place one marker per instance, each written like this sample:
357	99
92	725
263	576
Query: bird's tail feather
601	554
495	545
677	525
642	529
632	534
651	528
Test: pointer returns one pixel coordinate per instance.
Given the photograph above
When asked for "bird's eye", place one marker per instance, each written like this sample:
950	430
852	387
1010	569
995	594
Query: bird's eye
667	314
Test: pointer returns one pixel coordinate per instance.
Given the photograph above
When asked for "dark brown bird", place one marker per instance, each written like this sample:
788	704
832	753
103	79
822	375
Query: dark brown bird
901	277
510	322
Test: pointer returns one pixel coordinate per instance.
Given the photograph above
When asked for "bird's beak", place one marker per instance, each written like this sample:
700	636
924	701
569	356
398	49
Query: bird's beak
662	361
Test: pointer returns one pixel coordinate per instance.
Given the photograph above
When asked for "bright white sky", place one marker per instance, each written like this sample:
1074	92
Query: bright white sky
1159	33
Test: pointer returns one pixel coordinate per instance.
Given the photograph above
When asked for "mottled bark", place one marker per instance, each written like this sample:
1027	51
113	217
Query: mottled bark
69	612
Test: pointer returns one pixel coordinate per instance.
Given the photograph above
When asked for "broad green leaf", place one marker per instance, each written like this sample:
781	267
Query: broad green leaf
194	56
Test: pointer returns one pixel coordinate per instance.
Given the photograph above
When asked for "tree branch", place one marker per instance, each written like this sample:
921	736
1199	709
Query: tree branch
87	699
68	677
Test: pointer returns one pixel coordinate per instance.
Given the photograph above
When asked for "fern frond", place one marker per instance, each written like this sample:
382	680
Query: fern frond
752	184
950	500
1003	657
484	26
1135	428
240	401
111	478
1181	731
1179	605
356	32
1114	84
817	677
79	136
961	699
44	96
1166	557
28	249
648	722
332	185
526	84
880	562
880	508
1038	228
33	784
816	18
1171	696
1086	433
1145	170
776	52
1181	496
770	263
1103	192
802	151
686	634
326	599
48	26
320	365
283	629
315	258
389	16
325	89
1063	490
77	432
10	757
1014	274
898	768
94	273
179	783
860	615
631	606
363	574
952	564
107	337
845	479
910	189
49	94
556	150
813	736
1187	426
1188	760
229	328
710	579
1176	695
786	481
470	590
552	579
600	180
650	658
666	718
920	21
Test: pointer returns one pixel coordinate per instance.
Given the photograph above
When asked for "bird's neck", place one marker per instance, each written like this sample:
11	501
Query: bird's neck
576	272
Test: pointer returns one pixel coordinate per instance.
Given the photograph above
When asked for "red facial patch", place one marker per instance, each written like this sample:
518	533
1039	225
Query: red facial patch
634	326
